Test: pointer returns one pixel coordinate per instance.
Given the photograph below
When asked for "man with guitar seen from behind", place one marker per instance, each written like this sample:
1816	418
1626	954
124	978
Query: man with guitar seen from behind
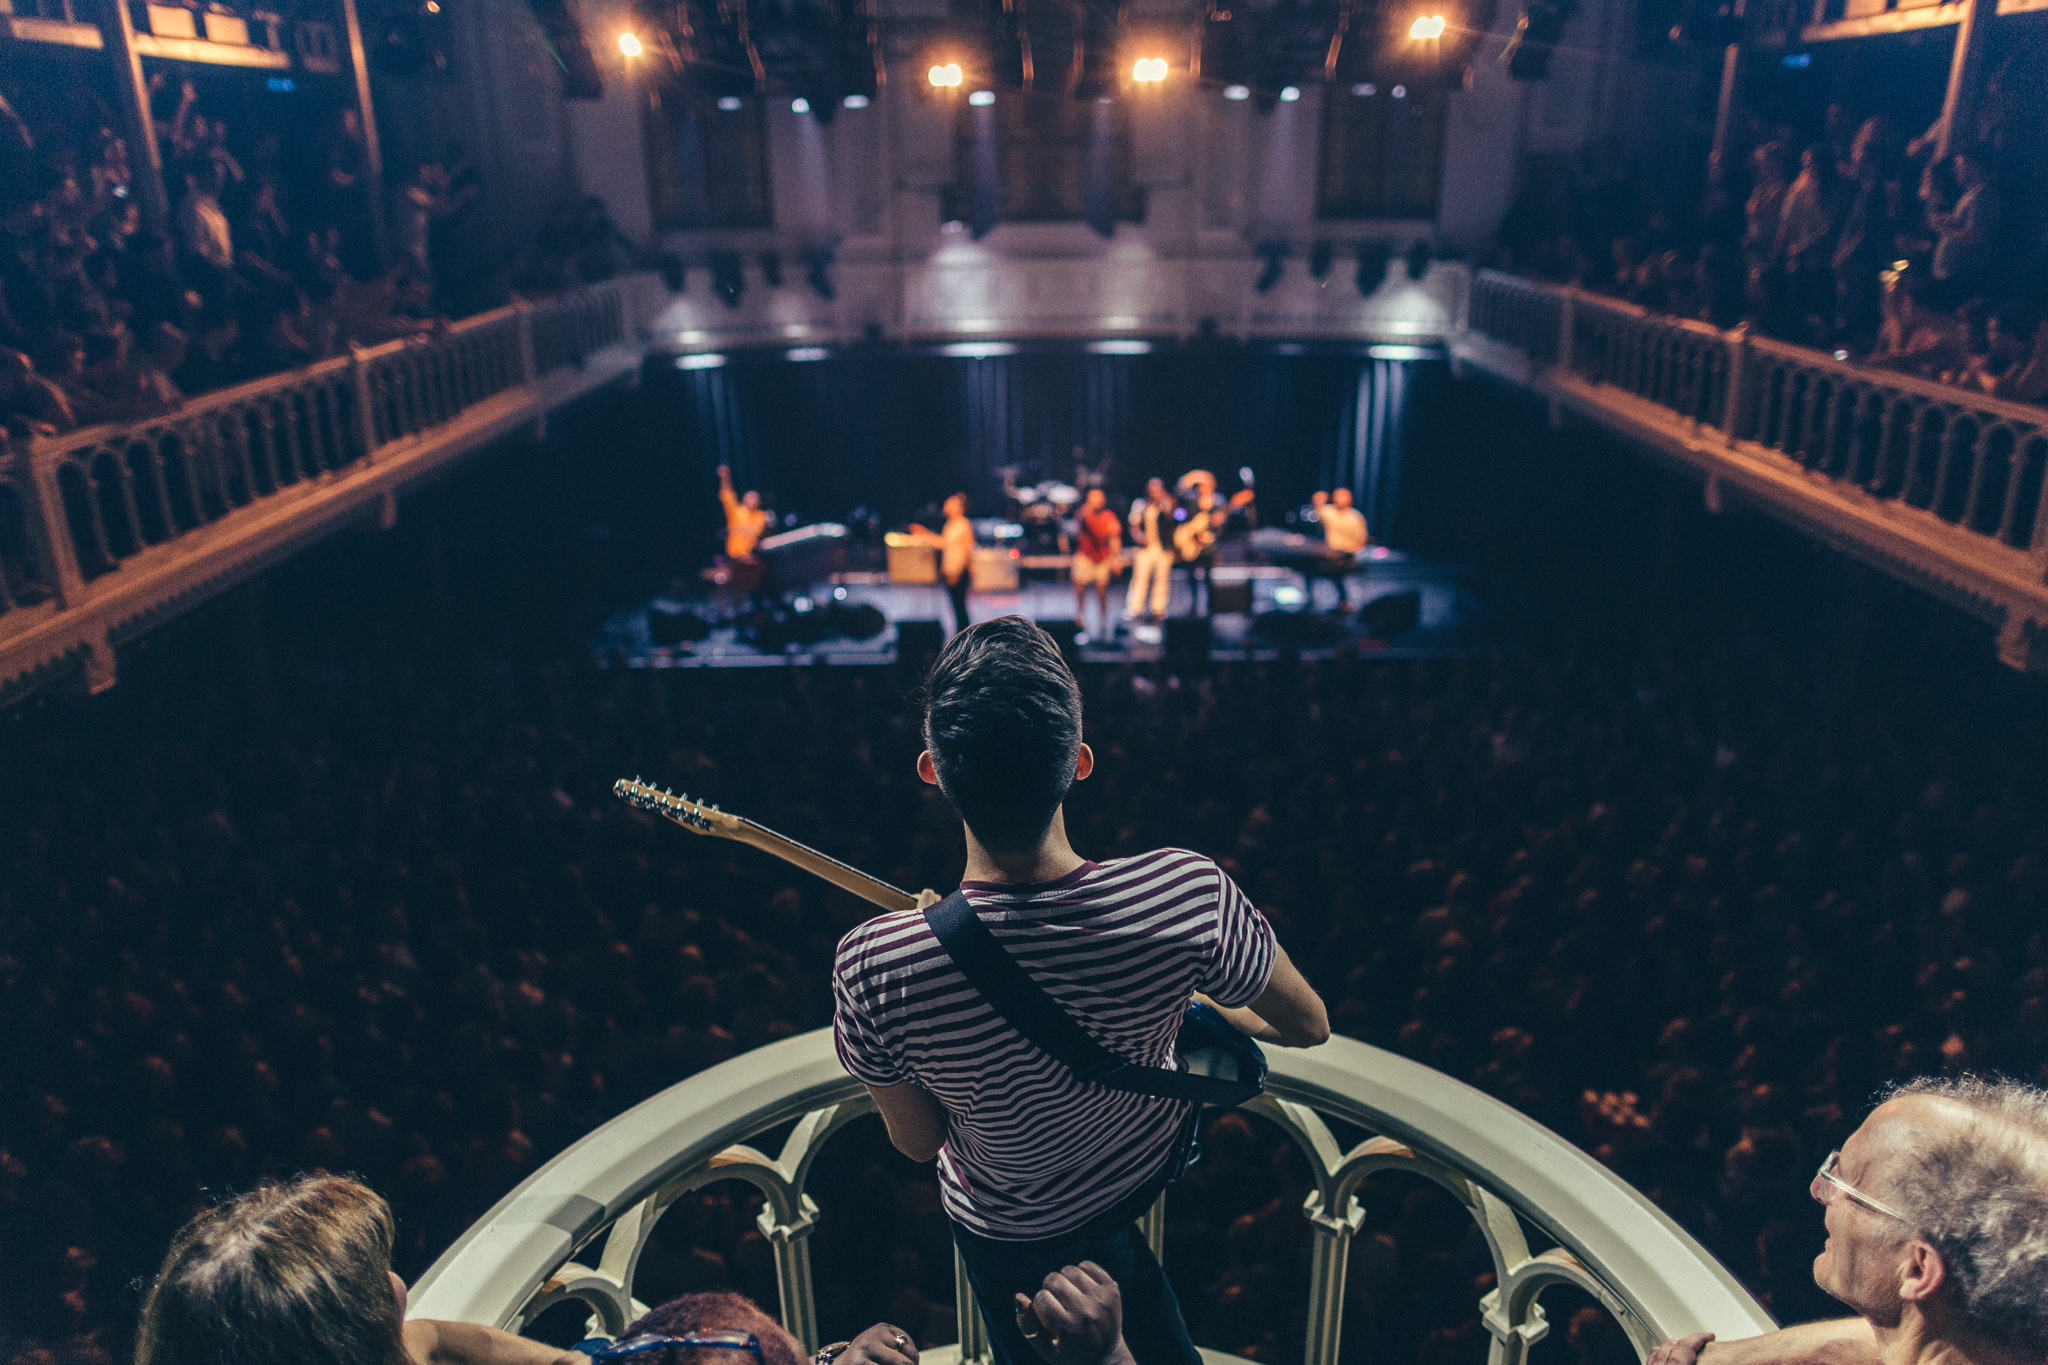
1039	1168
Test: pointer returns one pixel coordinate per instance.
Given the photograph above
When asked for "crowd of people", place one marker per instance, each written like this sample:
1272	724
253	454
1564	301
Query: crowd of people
1921	254
1674	900
270	261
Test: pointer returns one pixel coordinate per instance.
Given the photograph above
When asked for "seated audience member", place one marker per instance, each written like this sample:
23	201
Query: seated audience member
1937	1220
299	1273
31	405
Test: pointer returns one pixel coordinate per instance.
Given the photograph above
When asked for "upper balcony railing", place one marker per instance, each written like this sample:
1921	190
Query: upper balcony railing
576	1228
1943	480
100	527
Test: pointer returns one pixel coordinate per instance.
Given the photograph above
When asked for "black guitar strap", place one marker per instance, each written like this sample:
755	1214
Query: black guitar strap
1012	993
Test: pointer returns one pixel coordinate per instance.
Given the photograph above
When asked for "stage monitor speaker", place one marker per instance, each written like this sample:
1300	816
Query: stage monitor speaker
1391	616
1230	594
675	627
1298	630
919	642
1187	639
861	621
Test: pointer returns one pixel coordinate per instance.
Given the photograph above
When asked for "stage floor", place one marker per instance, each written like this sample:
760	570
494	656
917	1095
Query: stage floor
1285	618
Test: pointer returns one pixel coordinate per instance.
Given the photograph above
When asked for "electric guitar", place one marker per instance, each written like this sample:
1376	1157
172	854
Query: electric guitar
1193	537
1207	1043
703	818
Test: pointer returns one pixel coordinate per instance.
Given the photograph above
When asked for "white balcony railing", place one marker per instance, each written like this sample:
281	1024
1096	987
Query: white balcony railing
1940	484
575	1228
106	529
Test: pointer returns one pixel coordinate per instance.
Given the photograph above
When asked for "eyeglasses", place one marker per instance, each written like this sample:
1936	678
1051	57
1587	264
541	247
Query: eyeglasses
1826	1182
647	1341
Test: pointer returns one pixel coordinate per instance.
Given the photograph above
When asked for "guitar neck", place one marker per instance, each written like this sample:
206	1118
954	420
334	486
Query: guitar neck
818	864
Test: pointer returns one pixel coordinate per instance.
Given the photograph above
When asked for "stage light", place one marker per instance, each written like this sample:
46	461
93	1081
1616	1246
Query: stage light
1237	92
1428	26
981	99
944	76
1149	69
1400	92
729	103
700	362
1290	93
629	45
855	101
799	105
1365	90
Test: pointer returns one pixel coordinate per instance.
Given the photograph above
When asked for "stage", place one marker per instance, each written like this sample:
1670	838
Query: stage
683	624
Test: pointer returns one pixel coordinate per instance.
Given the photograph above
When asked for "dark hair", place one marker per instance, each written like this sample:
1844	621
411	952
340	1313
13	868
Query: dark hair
293	1273
721	1311
1002	718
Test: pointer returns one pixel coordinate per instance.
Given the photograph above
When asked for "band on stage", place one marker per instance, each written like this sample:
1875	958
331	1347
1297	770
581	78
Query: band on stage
1185	526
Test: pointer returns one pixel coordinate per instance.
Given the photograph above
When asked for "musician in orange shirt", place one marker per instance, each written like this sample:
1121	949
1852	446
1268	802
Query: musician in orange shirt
745	519
1098	558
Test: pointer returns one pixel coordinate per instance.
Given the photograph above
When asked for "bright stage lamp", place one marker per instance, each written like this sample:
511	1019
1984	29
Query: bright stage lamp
629	45
981	99
1428	26
1290	93
945	76
1149	69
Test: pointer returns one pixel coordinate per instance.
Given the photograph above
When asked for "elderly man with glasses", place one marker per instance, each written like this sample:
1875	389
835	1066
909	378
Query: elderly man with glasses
1937	1220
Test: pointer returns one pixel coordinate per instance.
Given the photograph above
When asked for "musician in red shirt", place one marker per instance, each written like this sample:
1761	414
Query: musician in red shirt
1098	558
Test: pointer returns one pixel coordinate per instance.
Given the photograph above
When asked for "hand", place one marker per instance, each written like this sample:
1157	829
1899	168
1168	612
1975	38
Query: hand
1680	1350
927	898
725	473
881	1344
1077	1318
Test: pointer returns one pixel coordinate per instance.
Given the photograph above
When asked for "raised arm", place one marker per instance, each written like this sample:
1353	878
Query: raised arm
1839	1341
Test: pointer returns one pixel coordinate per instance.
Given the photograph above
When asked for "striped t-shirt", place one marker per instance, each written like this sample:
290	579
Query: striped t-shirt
1030	1151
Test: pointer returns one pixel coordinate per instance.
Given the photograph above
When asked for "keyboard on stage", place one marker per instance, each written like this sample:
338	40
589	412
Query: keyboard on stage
805	556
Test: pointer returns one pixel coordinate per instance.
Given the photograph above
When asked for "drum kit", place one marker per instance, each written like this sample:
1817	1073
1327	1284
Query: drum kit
1041	508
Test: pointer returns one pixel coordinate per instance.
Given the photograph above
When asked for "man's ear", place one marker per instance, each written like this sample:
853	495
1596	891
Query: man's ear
1084	763
1921	1273
398	1289
925	768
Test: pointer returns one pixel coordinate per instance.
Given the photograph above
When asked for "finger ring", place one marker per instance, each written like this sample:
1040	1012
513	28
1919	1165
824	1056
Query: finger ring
1033	1336
901	1339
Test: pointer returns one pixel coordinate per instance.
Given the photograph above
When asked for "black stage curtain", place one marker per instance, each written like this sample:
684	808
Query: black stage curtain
894	432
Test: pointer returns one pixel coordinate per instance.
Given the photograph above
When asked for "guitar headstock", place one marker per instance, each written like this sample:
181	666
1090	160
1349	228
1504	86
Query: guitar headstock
698	817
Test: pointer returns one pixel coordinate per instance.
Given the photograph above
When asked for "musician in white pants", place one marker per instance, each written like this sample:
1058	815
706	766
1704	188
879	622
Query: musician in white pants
1152	534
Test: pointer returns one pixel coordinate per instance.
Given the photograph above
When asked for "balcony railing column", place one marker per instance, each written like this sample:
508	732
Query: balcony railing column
1566	330
529	363
1511	1339
1738	373
1329	1259
366	402
792	1244
53	531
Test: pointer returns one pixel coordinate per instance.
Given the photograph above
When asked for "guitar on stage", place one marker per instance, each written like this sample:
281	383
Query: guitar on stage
1196	536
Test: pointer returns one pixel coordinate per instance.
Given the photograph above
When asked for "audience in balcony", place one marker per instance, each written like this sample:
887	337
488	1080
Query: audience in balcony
270	260
1831	256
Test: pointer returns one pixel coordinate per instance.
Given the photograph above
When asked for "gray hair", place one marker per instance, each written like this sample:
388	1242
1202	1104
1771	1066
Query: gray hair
1978	1194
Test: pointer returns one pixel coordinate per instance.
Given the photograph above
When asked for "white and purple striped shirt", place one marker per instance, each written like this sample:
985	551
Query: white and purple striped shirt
1030	1151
